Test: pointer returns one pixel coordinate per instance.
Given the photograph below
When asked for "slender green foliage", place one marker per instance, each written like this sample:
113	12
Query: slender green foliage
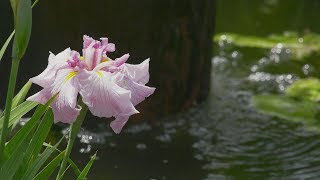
22	23
49	169
12	164
36	165
86	169
18	112
5	45
20	97
35	144
12	83
75	127
28	127
75	168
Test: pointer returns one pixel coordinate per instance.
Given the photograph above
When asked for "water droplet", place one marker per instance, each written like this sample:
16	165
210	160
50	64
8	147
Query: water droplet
300	40
141	146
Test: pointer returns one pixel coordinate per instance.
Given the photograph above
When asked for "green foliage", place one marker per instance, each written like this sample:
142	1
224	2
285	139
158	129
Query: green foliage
301	46
12	164
22	23
5	45
73	165
36	165
49	169
18	112
15	148
20	97
86	169
40	134
75	128
304	111
27	128
305	89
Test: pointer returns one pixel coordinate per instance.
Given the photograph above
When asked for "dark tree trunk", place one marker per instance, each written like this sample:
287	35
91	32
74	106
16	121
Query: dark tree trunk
175	34
181	45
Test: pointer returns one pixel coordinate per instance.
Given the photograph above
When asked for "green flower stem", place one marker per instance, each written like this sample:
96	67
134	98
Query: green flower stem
10	93
75	127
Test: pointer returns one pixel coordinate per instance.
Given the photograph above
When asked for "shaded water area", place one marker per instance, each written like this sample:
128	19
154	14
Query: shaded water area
224	137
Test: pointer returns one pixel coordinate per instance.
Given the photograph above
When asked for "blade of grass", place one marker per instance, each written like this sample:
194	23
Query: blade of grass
12	164
27	128
75	168
39	136
5	45
46	172
60	178
22	23
86	169
75	127
18	112
20	96
35	144
34	3
10	93
36	165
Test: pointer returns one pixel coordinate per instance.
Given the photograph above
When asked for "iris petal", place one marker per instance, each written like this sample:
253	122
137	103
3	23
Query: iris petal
56	62
103	96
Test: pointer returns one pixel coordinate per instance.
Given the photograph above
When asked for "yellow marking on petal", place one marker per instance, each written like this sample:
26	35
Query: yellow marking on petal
70	75
105	59
100	73
81	58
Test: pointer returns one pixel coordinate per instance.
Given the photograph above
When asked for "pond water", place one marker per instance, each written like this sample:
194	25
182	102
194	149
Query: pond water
224	137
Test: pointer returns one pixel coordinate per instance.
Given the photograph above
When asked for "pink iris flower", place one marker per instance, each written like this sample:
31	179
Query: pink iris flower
110	88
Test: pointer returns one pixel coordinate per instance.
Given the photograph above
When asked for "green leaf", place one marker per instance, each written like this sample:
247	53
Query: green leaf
49	169
20	97
306	112
38	138
36	165
60	178
40	135
5	45
18	112
75	168
34	3
11	165
86	169
305	89
27	128
22	23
